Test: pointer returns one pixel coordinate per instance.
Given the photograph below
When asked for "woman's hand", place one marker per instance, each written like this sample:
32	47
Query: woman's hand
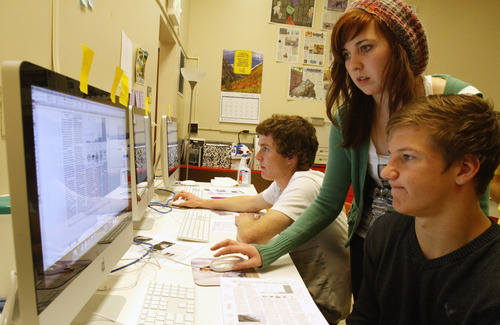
230	246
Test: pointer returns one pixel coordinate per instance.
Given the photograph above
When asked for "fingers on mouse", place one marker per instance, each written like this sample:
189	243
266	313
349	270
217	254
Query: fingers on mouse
225	263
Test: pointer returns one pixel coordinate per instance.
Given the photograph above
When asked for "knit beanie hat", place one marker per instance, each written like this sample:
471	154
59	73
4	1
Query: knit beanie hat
404	25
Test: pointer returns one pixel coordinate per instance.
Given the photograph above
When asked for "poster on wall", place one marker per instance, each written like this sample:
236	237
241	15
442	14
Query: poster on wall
293	12
241	85
307	83
288	45
140	66
332	10
314	48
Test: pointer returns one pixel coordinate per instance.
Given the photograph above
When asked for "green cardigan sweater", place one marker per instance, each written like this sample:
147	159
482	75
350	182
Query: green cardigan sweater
344	167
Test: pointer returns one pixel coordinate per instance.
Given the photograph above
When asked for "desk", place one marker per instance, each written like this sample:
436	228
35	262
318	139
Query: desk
208	299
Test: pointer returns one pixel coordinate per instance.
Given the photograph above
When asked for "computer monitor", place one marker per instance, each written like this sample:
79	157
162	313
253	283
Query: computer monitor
67	162
141	162
170	152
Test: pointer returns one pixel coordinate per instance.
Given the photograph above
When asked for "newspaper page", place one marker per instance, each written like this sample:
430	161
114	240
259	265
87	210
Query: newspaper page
314	48
306	83
288	45
268	301
332	10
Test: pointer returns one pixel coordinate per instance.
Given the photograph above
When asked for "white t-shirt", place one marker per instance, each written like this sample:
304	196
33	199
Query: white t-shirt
300	192
323	262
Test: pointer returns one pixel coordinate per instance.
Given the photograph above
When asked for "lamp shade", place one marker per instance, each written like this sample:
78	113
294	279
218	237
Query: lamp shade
191	74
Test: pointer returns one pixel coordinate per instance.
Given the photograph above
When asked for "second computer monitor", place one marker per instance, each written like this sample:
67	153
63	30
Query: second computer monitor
141	162
169	152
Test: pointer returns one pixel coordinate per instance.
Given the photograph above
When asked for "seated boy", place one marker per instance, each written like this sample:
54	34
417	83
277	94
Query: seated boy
288	147
435	261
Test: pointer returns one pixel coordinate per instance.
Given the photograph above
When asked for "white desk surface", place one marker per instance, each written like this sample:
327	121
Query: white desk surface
208	299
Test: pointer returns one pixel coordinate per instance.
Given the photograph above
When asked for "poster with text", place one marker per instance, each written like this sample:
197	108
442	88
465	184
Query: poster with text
314	48
288	45
331	11
293	12
241	85
309	84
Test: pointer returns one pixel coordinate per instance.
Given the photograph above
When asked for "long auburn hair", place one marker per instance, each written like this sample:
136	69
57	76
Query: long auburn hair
359	109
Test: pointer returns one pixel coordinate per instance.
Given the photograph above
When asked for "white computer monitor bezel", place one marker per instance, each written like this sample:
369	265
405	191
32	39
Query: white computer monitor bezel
139	207
169	180
69	302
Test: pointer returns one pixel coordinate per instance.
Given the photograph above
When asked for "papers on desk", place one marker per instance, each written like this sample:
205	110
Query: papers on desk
222	192
169	250
268	301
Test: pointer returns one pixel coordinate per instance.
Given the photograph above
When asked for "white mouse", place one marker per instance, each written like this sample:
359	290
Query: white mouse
225	263
178	202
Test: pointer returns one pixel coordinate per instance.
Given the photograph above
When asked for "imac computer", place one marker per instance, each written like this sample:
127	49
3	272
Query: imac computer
70	202
169	152
141	166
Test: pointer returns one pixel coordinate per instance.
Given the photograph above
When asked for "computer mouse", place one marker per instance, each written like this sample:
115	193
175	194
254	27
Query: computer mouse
188	183
178	202
225	263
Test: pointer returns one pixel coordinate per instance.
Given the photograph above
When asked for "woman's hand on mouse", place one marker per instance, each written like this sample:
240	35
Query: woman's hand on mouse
230	246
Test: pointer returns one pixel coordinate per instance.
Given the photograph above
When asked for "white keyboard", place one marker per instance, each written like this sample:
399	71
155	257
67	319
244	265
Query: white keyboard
195	226
196	190
167	303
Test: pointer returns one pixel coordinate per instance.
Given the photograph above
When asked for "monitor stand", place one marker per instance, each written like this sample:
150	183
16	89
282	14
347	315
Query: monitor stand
100	308
144	224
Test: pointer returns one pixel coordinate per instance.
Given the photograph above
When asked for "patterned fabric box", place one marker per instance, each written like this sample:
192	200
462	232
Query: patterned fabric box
217	155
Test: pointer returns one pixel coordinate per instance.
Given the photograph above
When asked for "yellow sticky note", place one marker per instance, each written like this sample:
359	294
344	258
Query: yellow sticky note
124	89
87	57
148	103
116	81
242	62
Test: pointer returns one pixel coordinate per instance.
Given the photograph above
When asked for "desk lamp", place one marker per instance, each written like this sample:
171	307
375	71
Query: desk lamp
193	76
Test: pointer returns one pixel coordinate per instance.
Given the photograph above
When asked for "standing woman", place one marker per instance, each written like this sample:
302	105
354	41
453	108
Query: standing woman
380	52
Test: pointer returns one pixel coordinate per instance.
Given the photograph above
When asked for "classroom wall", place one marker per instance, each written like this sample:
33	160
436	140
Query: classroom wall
462	37
50	34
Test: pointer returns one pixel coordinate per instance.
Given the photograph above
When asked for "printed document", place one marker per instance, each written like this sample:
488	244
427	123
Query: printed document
268	301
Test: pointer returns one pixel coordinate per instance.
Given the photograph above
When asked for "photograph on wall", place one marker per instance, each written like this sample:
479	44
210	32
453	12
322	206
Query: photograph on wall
293	12
288	45
241	85
331	11
309	84
314	48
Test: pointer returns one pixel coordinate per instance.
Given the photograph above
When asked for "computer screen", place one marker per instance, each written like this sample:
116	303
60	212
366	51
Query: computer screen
68	164
170	152
142	176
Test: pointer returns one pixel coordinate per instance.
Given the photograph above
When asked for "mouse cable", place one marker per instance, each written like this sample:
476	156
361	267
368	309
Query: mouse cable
137	260
158	204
